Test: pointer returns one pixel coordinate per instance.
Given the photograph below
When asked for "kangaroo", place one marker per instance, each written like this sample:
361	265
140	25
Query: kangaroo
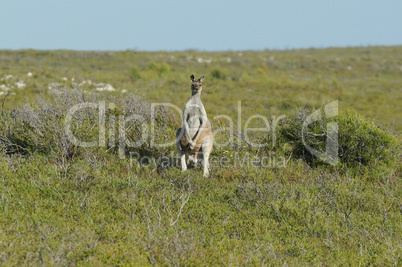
195	138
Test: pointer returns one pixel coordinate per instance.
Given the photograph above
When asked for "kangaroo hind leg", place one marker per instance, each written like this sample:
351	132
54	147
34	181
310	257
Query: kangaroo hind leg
180	149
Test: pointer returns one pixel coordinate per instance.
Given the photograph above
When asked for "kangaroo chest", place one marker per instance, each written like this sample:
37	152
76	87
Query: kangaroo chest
194	114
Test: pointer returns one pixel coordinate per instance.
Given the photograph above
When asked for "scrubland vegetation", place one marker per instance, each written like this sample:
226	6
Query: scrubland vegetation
124	201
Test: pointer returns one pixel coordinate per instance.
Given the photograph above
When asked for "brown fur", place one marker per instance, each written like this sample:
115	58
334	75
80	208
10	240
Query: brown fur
185	145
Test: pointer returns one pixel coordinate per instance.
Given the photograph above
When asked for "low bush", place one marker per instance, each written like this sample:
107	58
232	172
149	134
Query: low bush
218	74
93	120
162	68
360	142
134	73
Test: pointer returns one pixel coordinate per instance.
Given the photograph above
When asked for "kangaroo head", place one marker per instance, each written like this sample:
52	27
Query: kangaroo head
196	86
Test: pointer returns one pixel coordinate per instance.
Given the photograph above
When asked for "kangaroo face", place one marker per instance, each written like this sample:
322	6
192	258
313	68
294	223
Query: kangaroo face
196	86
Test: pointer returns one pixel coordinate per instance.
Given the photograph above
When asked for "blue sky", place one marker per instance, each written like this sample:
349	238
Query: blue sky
204	25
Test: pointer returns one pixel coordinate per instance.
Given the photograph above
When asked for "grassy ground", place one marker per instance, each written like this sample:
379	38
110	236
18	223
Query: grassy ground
89	207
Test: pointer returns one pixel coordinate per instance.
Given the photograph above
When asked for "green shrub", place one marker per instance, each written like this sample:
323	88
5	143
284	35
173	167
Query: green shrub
218	74
164	68
360	141
161	69
134	73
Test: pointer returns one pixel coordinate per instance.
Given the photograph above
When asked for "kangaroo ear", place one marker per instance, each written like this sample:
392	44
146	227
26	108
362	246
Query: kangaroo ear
201	78
192	78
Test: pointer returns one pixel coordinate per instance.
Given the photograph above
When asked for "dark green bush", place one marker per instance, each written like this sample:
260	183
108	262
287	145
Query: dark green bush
218	74
360	141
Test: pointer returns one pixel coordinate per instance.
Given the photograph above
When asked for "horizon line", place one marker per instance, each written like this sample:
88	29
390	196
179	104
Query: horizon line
201	50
